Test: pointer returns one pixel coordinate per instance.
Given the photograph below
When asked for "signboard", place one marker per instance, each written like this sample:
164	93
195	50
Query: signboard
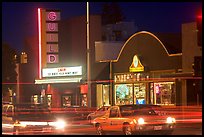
52	37
62	71
52	27
53	16
52	48
52	58
136	65
52	19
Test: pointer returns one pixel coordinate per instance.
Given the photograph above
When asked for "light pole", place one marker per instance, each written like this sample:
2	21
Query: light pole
88	57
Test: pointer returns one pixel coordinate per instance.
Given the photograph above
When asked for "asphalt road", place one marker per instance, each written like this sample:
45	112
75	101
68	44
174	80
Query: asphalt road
181	129
84	128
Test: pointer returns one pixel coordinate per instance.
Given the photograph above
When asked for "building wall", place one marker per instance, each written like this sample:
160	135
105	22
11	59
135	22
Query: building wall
190	47
73	44
150	52
29	71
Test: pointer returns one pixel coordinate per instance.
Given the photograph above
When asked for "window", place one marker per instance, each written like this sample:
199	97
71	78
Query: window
124	94
49	100
164	93
114	112
66	100
106	94
126	111
84	100
139	93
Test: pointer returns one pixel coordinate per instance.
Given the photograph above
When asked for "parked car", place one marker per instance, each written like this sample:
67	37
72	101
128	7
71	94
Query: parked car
131	119
99	112
30	119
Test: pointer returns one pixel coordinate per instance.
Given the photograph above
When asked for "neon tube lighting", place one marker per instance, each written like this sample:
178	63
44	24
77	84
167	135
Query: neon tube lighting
39	30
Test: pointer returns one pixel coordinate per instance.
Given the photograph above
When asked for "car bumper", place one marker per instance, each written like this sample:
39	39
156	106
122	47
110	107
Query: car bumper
159	127
33	130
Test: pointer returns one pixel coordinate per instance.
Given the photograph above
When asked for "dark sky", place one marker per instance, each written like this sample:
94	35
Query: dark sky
19	19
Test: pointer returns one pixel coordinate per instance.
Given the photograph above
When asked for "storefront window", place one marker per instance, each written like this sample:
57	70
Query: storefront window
49	100
164	93
84	100
139	93
106	95
124	94
66	100
35	99
152	93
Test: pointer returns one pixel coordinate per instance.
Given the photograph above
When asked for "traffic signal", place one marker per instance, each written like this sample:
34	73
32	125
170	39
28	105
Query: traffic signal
23	57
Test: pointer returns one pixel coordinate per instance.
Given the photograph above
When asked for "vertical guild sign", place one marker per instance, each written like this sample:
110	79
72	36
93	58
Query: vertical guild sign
52	19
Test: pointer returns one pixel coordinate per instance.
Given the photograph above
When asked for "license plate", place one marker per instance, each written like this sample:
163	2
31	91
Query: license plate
47	129
157	127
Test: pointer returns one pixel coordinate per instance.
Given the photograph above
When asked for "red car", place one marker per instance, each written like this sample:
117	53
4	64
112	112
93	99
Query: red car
131	119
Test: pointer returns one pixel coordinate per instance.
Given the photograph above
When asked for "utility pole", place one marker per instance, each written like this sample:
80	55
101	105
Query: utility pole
88	58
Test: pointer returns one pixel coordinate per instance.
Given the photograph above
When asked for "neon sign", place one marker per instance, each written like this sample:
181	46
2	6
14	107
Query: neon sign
52	48
52	27
136	65
52	16
52	58
52	36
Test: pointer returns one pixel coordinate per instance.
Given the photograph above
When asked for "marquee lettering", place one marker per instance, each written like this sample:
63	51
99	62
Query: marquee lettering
52	16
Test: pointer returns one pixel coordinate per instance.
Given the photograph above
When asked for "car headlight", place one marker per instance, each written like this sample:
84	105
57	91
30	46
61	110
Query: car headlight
19	124
170	120
140	121
59	124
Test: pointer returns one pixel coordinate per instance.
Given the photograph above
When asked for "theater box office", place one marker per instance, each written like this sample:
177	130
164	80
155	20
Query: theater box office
138	70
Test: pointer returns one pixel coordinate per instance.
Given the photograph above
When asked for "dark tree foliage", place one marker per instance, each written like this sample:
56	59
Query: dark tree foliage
111	13
9	74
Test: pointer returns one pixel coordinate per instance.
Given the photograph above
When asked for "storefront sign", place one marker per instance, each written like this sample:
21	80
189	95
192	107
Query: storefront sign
62	71
84	89
136	65
52	48
52	58
52	19
52	27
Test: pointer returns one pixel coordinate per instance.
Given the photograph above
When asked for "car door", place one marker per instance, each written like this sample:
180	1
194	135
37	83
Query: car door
114	123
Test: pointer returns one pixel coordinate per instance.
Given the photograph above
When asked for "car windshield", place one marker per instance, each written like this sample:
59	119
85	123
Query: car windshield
134	110
104	108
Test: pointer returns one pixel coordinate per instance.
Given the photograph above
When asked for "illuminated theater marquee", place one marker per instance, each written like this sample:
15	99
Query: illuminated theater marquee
62	71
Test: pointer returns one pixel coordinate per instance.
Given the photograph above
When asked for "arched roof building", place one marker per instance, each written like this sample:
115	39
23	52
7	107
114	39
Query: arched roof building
138	68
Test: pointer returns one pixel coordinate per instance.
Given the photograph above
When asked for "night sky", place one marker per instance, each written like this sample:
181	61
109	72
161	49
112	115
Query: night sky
19	20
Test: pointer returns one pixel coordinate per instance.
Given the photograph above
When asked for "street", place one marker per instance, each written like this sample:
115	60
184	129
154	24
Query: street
84	128
181	129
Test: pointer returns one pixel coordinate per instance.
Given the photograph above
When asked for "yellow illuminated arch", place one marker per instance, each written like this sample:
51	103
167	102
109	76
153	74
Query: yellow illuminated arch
145	32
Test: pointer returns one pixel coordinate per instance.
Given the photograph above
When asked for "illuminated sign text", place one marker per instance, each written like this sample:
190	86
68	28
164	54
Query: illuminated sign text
62	71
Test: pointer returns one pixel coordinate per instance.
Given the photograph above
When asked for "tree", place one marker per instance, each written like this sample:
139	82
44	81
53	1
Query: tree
111	13
9	74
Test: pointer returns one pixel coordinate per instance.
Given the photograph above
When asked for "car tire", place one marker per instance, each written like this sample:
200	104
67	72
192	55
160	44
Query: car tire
168	132
99	129
16	130
127	130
